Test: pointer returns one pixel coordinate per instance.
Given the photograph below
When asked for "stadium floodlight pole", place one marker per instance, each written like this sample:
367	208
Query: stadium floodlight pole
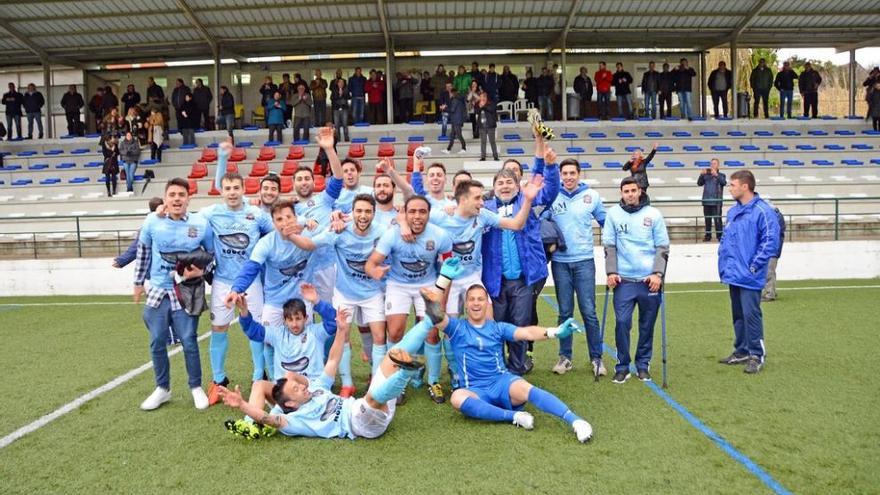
602	329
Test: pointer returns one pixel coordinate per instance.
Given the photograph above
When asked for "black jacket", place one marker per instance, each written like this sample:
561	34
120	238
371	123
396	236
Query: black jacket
203	97
583	86
809	81
111	160
191	120
13	101
641	175
110	101
72	102
155	91
785	80
129	100
683	79
33	102
227	104
717	73
666	82
339	98
487	116
178	96
531	89
509	89
622	80
650	81
544	85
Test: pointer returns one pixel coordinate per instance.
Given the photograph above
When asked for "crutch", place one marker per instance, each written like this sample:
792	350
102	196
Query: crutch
602	329
663	334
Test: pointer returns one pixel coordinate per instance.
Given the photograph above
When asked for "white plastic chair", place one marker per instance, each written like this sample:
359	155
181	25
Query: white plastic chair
505	108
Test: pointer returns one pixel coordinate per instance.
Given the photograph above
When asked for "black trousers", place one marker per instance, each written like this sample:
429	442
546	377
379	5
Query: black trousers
811	101
514	305
722	96
761	96
72	121
712	213
665	100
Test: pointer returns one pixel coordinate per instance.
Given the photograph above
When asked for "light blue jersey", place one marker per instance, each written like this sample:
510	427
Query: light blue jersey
325	415
352	251
636	236
235	233
574	213
343	203
169	238
303	353
318	208
414	262
385	219
285	266
479	351
467	236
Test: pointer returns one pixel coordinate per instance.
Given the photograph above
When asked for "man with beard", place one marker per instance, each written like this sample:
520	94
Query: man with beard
411	266
351	177
436	178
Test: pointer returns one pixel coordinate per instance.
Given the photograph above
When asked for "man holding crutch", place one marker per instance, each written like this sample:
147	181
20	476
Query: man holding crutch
636	250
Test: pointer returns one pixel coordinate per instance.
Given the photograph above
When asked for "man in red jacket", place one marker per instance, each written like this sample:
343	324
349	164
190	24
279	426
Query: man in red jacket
603	79
375	97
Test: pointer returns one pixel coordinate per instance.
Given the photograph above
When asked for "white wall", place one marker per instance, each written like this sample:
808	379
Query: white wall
687	263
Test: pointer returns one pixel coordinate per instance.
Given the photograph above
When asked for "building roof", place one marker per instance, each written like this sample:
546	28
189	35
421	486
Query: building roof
95	31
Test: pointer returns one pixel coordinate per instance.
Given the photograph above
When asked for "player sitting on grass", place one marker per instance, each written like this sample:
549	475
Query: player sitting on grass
490	392
307	408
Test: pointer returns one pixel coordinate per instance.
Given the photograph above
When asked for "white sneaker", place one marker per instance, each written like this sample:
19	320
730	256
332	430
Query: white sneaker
460	152
445	152
582	430
562	366
199	398
524	420
156	399
599	368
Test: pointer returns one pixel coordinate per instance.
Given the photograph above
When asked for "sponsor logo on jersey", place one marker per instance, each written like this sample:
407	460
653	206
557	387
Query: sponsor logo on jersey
295	270
357	266
297	366
417	266
192	233
463	248
647	222
235	241
332	408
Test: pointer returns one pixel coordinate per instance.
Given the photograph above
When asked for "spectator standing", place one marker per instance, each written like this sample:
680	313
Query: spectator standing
492	83
720	81
874	106
96	106
768	293
530	88
357	86
473	96
784	83
438	82
226	111
583	86
134	124
808	85
603	78
339	98
761	81
405	96
319	97
713	182
487	119
683	77
650	88
72	102
509	85
203	97
457	109
287	89
33	103
178	98
751	238
873	77
477	74
154	91
375	97
130	155
189	115
267	91
275	112
425	88
637	166
462	81
110	100
443	107
156	134
130	98
545	94
623	92
666	87
302	114
110	167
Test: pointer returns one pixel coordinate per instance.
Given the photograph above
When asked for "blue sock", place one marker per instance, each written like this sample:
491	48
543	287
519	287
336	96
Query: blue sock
392	387
269	357
221	169
480	409
412	341
434	356
550	404
450	361
219	346
345	366
379	351
258	360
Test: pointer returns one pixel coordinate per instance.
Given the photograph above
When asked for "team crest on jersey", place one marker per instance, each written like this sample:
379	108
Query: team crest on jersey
192	232
388	306
304	338
250	217
475	222
647	222
588	199
429	245
310	203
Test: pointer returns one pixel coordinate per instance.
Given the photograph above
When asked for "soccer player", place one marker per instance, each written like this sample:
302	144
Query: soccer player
490	392
161	242
636	250
574	270
412	266
436	178
751	238
351	177
360	295
383	190
236	227
303	407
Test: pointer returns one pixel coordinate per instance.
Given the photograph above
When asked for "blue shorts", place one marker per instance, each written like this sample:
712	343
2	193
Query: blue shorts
497	392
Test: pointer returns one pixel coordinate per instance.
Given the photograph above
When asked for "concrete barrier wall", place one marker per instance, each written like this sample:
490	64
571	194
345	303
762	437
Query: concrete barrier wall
687	263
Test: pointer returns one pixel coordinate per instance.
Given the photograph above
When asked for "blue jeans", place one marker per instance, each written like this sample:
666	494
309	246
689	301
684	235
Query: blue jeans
625	101
603	100
684	104
184	326
13	119
227	122
577	277
651	105
357	108
130	168
785	97
626	296
748	321
545	103
444	121
31	116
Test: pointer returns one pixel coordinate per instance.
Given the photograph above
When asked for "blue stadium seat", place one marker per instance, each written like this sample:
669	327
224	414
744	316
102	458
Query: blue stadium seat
10	168
625	135
817	132
673	164
166	146
49	181
681	134
38	166
387	139
188	146
78	180
664	149
568	135
834	147
244	144
301	142
806	147
612	165
149	161
791	132
875	161
21	182
793	163
65	165
700	118
823	163
645	119
172	132
845	132
692	148
272	144
93	165
763	133
416	122
720	147
763	163
604	149
702	163
508	121
26	153
68	136
585	165
93	135
618	119
575	149
802	117
53	152
871	132
749	147
213	145
777	147
515	151
250	128
708	134
852	163
736	133
138	178
512	137
831	117
597	135
654	134
633	149
671	119
862	146
441	138
416	139
358	140
733	163
591	119
362	124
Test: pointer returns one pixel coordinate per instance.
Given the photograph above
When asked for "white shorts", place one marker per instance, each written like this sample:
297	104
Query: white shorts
274	315
221	315
324	281
399	298
362	312
367	422
457	291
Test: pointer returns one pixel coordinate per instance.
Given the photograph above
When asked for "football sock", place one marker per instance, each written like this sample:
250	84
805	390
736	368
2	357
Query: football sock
392	387
345	366
434	355
366	340
219	346
413	339
269	359
258	360
550	404
379	351
480	409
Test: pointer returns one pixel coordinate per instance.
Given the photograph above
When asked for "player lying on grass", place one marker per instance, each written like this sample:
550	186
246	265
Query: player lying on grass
301	407
490	392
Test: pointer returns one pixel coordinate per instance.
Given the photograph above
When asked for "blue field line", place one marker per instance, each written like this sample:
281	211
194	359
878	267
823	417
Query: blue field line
723	444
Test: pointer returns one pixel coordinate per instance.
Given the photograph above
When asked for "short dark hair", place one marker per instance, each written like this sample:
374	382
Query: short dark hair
280	206
293	307
379	176
475	287
460	173
629	180
231	176
279	397
364	197
464	187
154	203
504	173
272	178
177	181
570	162
436	165
744	177
353	161
303	168
518	164
416	197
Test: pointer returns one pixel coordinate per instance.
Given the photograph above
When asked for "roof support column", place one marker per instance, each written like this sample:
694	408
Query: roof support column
389	82
47	84
216	86
562	84
702	62
734	73
852	81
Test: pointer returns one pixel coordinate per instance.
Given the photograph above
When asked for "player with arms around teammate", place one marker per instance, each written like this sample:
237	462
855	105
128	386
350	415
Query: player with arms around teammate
161	242
636	250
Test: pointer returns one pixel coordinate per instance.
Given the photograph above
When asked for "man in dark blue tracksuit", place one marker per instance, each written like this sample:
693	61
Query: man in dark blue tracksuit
751	238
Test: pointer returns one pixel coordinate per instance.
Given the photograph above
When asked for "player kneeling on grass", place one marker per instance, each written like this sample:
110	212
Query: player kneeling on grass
490	392
302	407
